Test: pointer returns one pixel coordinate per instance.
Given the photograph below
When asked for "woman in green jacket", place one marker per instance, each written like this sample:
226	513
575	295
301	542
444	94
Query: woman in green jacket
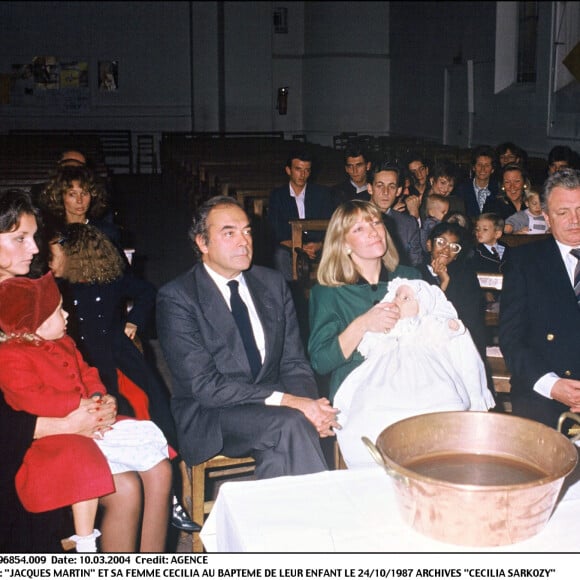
358	260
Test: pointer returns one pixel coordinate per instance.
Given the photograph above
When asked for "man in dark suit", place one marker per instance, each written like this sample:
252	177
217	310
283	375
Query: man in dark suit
225	401
297	200
356	165
384	186
539	331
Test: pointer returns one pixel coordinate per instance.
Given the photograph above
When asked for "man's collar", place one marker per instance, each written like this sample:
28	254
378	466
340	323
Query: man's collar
218	278
293	194
359	188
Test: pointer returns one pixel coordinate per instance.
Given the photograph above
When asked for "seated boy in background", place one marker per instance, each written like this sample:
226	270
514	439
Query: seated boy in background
490	255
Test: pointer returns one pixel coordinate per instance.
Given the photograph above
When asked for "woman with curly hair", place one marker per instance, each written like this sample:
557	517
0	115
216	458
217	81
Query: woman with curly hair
75	195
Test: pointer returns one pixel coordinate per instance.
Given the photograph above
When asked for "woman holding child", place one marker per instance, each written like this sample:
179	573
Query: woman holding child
21	531
358	261
362	333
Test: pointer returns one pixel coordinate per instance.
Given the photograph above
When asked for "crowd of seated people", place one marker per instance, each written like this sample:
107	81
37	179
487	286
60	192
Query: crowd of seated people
243	382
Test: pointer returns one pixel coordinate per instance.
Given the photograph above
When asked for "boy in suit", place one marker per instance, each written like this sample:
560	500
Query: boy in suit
490	255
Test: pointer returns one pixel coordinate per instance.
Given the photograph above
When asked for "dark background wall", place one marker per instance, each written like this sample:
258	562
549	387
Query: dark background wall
367	67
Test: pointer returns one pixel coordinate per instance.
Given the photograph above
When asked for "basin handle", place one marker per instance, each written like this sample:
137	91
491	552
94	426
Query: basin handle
376	455
574	430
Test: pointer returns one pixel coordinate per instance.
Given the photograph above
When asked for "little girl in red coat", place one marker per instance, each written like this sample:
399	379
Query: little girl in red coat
42	372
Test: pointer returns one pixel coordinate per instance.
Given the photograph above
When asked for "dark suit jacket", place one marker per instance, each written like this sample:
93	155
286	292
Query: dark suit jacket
466	191
539	327
404	229
346	191
282	207
466	296
501	205
206	356
484	261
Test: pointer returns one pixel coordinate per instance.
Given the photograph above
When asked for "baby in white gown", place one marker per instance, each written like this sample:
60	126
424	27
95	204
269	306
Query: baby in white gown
426	363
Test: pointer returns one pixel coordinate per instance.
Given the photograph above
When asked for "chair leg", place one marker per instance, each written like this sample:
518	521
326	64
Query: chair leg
198	501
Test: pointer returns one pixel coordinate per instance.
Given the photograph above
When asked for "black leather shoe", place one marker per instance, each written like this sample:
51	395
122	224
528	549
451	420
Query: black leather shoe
180	519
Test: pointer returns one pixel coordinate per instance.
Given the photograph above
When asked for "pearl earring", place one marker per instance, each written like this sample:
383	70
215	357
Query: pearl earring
348	251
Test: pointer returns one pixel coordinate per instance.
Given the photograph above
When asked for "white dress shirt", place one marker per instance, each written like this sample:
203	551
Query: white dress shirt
222	283
300	199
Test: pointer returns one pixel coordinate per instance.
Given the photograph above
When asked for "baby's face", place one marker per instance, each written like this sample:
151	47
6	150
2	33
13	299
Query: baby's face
406	301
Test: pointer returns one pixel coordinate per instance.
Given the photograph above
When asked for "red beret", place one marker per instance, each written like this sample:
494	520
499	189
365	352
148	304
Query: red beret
26	303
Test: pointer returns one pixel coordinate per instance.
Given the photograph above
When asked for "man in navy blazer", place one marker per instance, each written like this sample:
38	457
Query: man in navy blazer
297	200
539	331
219	405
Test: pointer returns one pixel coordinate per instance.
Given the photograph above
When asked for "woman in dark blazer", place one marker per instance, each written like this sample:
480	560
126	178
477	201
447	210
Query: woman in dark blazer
511	198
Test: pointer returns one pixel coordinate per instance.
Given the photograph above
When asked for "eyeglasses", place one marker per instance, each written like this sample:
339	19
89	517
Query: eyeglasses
442	243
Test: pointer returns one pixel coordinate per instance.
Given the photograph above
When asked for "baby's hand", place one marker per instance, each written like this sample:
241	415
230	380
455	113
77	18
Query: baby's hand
453	324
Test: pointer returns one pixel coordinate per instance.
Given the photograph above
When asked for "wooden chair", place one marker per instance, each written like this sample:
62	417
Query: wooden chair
338	458
194	489
253	201
299	227
490	281
514	240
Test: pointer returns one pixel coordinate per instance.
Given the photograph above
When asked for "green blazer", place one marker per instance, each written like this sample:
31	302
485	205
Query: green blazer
332	309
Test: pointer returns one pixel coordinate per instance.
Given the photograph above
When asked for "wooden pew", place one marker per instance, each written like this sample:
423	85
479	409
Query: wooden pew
299	228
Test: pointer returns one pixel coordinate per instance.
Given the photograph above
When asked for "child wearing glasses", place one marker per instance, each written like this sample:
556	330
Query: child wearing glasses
426	363
449	268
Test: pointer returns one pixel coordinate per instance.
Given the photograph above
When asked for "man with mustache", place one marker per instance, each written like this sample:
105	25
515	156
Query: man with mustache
241	382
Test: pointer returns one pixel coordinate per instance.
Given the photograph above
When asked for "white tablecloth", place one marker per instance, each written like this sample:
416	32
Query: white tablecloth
350	511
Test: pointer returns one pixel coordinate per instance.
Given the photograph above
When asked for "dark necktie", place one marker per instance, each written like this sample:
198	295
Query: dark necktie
495	252
242	318
576	254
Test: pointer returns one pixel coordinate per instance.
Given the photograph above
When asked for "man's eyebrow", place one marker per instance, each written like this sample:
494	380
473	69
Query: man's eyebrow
232	227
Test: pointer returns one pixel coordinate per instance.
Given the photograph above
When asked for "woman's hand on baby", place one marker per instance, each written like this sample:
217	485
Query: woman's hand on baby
382	317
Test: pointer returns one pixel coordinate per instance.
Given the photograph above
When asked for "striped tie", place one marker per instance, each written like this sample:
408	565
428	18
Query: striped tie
576	254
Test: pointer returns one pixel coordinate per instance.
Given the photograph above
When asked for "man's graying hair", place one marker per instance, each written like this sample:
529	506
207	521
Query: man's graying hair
199	222
566	178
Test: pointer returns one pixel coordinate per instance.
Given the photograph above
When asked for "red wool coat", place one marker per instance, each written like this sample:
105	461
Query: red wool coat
48	379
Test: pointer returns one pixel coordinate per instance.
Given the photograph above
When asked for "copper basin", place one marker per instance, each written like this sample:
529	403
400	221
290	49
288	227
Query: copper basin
474	478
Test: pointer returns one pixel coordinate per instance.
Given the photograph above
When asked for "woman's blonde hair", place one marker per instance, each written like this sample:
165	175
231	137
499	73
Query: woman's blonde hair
91	257
336	266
